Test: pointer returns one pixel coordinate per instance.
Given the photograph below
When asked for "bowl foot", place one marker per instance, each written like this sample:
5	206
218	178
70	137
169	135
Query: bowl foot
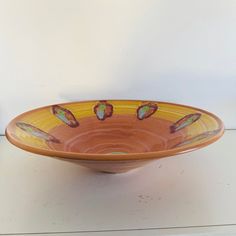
111	167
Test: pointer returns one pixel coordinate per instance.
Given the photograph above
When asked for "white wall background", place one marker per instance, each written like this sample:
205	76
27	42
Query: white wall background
181	51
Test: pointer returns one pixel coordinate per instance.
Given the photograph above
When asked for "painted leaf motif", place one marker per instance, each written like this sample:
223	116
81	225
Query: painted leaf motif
103	110
146	110
199	137
184	122
30	129
65	116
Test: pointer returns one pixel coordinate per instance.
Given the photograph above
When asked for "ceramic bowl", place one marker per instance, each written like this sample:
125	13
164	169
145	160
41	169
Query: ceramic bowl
116	135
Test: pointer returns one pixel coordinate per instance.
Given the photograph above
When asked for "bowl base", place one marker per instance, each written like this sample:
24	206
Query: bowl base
110	167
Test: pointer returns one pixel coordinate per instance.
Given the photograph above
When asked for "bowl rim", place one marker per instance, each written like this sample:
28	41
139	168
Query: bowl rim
112	157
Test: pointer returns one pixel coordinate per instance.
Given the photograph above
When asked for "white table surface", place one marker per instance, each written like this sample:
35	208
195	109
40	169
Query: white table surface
193	193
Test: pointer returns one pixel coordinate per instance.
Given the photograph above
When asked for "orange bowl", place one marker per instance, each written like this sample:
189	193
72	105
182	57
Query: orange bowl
116	135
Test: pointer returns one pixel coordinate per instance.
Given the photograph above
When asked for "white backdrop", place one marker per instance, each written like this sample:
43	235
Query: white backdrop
181	51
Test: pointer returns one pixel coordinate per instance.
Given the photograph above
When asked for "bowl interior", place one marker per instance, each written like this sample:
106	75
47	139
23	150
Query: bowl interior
114	127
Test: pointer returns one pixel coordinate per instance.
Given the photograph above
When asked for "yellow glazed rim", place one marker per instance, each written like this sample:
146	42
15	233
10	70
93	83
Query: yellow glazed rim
118	157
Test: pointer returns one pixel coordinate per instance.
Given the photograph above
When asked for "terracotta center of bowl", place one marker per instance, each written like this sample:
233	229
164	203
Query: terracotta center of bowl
117	135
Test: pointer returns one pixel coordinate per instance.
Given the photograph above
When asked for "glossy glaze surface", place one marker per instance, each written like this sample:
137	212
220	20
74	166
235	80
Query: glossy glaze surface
114	130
